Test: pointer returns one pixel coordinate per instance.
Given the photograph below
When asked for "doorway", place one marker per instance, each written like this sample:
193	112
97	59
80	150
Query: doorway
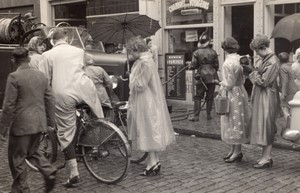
239	24
242	27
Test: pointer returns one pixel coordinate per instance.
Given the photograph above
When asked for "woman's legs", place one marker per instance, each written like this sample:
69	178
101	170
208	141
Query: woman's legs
286	112
237	149
152	159
266	156
153	166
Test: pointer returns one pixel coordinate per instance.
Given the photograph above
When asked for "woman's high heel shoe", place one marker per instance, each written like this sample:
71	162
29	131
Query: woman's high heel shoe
228	156
237	158
268	164
151	171
157	169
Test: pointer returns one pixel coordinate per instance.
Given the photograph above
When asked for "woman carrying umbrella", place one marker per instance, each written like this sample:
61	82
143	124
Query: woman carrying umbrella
149	123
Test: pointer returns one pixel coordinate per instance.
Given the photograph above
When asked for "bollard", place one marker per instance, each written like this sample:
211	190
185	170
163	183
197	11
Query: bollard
295	113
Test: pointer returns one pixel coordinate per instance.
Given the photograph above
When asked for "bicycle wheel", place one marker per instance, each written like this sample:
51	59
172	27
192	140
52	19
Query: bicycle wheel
48	147
38	25
136	157
101	142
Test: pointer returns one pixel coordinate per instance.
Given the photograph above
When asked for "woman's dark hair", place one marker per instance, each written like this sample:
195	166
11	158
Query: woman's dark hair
148	39
260	42
230	45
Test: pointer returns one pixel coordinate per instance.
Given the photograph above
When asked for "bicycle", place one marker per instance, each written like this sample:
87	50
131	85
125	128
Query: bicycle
120	120
100	144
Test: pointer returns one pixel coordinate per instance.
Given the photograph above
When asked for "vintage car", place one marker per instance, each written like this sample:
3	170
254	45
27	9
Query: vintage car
114	64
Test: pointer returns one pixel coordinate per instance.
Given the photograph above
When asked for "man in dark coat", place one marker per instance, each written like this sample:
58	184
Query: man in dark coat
205	61
28	107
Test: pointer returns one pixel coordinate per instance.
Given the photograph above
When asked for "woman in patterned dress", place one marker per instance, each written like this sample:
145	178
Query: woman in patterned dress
234	125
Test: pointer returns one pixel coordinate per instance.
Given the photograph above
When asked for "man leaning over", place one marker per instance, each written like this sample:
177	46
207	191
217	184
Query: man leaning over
71	86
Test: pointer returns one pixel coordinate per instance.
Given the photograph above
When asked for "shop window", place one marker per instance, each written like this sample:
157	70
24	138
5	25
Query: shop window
298	7
185	40
287	9
279	9
74	14
189	12
102	7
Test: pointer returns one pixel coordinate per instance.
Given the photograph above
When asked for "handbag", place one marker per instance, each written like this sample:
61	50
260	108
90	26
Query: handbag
222	104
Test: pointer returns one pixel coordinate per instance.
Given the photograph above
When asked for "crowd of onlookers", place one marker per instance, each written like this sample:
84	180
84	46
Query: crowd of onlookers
45	90
48	85
275	82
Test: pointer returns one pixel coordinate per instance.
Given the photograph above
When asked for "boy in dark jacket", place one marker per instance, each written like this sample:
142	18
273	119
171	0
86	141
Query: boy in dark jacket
28	107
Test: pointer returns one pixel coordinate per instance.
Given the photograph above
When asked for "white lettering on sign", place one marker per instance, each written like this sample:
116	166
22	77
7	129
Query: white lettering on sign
178	62
193	3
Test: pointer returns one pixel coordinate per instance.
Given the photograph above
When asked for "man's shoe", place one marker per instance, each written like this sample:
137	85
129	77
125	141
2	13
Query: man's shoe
50	183
72	181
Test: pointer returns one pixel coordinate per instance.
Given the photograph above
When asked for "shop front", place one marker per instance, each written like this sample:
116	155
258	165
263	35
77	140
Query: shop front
237	19
184	22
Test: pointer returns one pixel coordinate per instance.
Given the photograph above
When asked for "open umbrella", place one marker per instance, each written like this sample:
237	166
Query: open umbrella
288	28
118	29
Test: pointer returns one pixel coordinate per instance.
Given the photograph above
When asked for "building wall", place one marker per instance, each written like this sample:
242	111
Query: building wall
21	6
102	7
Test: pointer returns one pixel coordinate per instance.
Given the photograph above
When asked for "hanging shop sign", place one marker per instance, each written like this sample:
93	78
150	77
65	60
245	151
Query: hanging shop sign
191	35
191	4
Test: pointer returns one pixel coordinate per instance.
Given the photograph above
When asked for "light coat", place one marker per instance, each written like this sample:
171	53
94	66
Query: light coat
149	123
265	100
63	66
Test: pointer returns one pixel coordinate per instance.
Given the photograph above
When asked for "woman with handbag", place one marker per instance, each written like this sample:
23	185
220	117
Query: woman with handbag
234	124
264	99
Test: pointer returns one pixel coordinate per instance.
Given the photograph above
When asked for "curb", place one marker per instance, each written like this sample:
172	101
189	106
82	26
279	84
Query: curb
292	147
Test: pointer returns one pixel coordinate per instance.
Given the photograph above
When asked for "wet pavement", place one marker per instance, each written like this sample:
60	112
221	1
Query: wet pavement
193	164
211	128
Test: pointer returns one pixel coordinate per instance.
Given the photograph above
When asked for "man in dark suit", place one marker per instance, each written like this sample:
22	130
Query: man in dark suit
28	107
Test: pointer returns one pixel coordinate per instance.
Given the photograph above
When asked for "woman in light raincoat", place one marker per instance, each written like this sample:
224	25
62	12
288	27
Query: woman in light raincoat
265	99
149	123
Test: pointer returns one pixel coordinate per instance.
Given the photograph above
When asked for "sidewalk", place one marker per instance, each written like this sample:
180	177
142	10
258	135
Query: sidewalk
211	128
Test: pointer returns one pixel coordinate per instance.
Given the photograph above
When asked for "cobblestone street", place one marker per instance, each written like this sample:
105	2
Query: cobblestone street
191	165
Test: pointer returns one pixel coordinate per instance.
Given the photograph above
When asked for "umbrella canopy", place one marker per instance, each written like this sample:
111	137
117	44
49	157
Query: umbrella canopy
118	29
288	28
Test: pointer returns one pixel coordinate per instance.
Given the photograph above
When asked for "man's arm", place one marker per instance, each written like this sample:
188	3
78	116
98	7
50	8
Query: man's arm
194	64
216	62
9	105
49	106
